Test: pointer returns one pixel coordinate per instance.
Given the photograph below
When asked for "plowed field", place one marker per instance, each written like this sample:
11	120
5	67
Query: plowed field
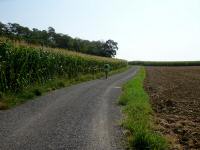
175	97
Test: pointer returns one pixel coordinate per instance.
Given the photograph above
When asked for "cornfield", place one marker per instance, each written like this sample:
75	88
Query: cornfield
21	65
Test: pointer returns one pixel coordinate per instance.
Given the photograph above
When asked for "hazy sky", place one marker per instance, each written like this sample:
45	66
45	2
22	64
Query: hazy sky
144	29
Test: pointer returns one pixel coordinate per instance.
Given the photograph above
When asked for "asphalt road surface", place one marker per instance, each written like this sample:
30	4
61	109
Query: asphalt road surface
80	117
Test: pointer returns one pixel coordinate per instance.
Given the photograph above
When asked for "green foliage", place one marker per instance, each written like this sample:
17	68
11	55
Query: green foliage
1	95
138	120
11	99
21	66
110	48
52	39
61	84
37	92
165	63
26	94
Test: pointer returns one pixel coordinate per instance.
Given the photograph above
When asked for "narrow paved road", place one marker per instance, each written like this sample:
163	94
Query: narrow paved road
81	117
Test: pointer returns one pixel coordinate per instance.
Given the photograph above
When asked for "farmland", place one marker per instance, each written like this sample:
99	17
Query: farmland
165	63
175	99
24	65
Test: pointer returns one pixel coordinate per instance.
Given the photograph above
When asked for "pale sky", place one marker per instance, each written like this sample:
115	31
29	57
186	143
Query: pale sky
145	29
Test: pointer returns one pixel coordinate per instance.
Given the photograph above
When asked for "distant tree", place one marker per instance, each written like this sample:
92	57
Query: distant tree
50	38
110	48
77	44
61	41
35	36
2	28
51	30
44	38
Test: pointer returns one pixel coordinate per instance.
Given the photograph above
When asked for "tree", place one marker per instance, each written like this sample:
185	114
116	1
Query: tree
110	48
2	29
50	38
51	30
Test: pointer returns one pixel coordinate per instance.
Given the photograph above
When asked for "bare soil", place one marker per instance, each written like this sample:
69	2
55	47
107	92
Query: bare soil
175	97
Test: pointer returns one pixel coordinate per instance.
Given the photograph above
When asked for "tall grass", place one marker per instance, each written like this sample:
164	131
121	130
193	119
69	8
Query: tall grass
22	65
138	119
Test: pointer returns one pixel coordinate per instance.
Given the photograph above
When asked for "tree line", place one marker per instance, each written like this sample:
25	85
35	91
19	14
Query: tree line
50	38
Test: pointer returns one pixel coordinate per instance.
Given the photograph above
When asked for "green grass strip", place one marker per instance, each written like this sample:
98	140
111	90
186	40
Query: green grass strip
138	119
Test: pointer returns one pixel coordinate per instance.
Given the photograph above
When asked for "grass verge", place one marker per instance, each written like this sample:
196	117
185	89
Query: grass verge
8	100
138	119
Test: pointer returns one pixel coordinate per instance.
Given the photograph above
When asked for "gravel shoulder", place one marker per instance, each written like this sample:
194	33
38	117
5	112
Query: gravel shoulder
83	116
